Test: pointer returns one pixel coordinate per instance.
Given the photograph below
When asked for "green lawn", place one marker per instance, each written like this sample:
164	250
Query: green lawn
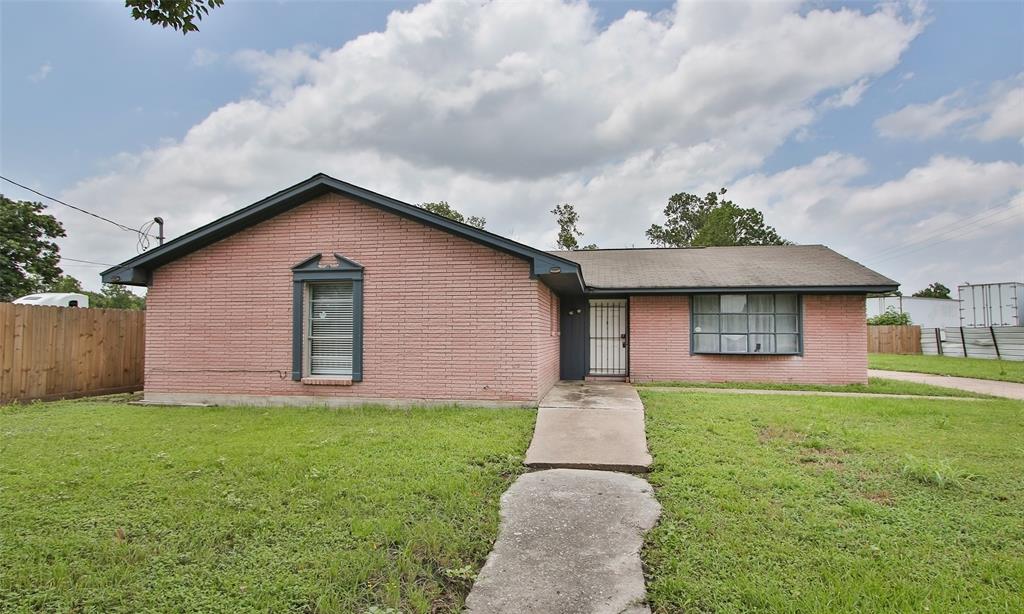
1003	370
875	385
825	504
107	507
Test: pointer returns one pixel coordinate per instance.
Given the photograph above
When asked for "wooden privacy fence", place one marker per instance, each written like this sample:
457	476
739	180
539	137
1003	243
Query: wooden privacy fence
56	352
894	339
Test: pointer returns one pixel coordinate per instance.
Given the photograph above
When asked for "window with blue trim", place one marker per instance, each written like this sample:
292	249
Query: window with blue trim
327	335
746	324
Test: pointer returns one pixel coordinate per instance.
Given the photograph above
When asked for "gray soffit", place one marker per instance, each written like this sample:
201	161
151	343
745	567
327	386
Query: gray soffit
803	268
135	271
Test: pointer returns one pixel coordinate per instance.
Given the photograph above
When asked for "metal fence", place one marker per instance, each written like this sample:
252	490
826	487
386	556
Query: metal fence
1003	342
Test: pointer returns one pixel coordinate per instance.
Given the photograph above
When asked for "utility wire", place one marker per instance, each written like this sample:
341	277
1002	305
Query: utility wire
95	215
953	227
965	235
86	261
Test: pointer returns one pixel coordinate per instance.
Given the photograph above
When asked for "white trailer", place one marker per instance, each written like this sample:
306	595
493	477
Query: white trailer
991	304
54	299
924	311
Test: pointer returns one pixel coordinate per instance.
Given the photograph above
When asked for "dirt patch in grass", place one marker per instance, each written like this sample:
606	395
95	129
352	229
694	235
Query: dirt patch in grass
771	433
881	497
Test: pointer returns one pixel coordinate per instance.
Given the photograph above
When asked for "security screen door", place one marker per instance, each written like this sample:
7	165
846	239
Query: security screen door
608	337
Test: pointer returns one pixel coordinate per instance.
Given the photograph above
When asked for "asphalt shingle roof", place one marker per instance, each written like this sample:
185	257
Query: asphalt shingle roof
723	267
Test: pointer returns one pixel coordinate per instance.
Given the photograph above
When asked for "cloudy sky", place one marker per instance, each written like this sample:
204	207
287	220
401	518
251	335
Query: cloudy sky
892	132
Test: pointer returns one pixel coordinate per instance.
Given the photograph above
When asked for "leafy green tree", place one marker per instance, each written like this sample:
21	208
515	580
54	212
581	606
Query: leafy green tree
177	14
891	317
444	209
691	220
936	290
29	257
115	296
569	233
66	283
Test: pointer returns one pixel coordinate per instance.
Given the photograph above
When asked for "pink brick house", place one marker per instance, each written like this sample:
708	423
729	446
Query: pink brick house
329	293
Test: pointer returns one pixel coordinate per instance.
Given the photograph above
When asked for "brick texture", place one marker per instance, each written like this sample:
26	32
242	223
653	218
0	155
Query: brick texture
444	317
835	345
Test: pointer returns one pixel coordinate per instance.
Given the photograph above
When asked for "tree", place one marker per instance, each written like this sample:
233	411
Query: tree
568	232
177	14
28	256
710	221
446	210
115	296
111	296
936	290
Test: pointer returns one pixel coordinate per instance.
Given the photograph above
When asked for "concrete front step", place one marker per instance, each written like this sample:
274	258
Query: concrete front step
607	439
590	426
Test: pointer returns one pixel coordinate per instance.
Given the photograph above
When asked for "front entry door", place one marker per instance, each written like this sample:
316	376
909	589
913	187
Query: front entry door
609	338
573	339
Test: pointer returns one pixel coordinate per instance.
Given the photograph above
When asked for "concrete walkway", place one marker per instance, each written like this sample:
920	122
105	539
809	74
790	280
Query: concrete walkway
569	543
570	537
588	425
1010	390
813	393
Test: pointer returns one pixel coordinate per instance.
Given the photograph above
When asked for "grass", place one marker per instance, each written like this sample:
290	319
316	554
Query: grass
117	508
875	385
1002	370
828	504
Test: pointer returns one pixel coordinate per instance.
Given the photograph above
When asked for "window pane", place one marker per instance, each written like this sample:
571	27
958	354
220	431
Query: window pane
785	324
705	303
734	324
734	343
330	328
705	343
762	344
785	303
760	303
762	324
787	344
705	324
734	303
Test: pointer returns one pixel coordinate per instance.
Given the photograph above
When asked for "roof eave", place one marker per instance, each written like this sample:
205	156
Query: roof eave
857	289
136	271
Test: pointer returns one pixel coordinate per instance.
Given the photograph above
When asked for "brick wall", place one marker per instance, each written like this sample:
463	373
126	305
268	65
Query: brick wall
835	345
547	340
444	317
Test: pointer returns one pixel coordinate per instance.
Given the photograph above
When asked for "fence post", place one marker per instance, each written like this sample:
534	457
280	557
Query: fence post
995	343
963	341
938	340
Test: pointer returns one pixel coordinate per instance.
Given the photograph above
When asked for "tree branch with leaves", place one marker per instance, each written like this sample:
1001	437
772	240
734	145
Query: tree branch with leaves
691	220
177	14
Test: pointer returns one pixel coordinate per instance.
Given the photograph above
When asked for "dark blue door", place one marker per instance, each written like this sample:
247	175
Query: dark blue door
574	337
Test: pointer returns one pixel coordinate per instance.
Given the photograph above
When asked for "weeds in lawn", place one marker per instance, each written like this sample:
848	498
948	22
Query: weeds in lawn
940	472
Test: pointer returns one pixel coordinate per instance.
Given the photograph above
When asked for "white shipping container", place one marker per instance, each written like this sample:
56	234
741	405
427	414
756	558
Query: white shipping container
991	304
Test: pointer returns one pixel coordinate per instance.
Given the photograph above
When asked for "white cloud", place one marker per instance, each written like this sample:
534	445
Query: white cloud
997	115
41	73
505	109
204	57
937	221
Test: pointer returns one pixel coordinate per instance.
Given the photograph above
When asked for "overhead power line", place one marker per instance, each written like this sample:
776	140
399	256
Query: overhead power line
95	215
946	230
969	234
86	261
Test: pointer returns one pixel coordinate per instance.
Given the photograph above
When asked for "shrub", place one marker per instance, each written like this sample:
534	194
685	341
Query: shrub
891	317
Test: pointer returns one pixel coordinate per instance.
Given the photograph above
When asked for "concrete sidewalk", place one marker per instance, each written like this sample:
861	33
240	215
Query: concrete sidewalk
588	425
809	393
569	543
1009	390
